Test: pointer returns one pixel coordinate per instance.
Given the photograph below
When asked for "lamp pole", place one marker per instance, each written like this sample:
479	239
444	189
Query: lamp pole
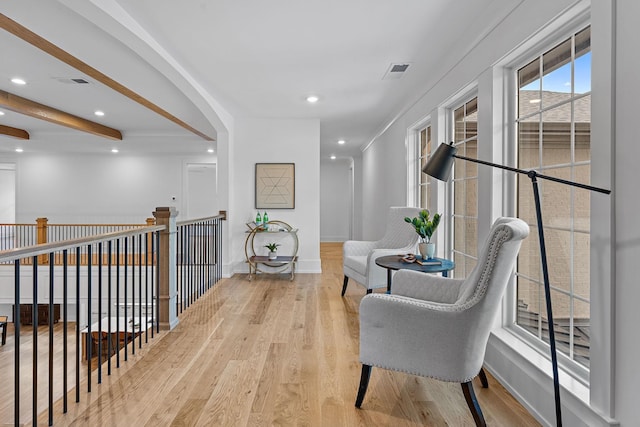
440	167
533	176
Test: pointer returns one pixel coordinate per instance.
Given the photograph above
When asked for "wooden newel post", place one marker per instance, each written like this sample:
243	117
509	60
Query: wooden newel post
41	226
167	284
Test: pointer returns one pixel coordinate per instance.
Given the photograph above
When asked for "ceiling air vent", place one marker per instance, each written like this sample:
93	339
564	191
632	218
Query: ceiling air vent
395	71
66	80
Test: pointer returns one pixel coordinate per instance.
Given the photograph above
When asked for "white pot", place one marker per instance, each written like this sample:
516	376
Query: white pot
431	250
427	250
273	255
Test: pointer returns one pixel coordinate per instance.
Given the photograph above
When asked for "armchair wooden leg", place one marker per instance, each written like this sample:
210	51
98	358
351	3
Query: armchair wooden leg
364	383
472	402
483	378
344	285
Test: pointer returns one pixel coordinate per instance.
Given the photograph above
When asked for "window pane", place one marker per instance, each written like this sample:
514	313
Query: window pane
529	143
458	119
561	322
459	197
559	251
582	67
471	240
529	76
529	298
581	265
423	196
556	136
471	168
582	114
529	263
424	136
459	272
581	332
556	78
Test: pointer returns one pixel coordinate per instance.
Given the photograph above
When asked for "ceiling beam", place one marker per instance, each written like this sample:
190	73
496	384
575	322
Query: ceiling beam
32	38
39	111
14	132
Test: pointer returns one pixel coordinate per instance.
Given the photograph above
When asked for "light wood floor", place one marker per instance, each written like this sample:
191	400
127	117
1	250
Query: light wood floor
273	352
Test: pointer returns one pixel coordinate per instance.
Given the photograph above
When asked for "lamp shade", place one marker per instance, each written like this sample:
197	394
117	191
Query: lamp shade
439	165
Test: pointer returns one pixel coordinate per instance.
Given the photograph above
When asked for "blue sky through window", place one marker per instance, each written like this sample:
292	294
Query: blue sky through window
559	80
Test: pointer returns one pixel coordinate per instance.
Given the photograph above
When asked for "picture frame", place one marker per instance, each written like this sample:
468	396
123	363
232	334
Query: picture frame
275	186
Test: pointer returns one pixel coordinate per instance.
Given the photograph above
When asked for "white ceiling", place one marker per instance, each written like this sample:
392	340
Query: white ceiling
254	58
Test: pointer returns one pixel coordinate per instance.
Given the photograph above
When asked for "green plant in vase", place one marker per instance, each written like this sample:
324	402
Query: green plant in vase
273	250
425	227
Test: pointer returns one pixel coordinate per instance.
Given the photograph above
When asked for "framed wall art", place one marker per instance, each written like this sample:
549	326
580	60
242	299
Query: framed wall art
275	185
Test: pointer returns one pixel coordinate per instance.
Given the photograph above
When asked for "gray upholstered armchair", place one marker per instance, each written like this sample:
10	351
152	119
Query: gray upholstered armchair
437	327
359	256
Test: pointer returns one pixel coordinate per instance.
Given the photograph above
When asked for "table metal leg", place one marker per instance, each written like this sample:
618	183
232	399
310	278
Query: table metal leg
388	280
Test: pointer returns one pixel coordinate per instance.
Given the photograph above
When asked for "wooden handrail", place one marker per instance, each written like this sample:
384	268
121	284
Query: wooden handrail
45	248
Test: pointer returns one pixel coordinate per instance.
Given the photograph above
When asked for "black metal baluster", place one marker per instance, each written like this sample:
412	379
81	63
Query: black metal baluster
16	352
126	300
65	324
100	313
34	322
146	287
109	331
133	294
157	284
189	265
139	289
118	302
50	373
154	318
89	343
180	269
78	324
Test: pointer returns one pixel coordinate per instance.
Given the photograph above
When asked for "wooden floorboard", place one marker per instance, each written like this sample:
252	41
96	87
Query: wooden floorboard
269	352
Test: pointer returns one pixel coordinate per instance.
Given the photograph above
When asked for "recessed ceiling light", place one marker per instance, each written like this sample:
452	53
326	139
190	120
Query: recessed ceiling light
1	113
312	99
210	150
19	150
99	113
341	142
114	150
18	81
333	157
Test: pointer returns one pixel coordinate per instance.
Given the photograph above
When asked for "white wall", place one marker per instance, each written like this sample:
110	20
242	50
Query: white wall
384	180
97	188
335	200
277	141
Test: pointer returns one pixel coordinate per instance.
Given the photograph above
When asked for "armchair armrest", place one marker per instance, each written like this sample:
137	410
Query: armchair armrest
426	287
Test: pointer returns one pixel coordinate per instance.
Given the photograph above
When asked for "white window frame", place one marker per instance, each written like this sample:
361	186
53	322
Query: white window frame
574	369
593	400
455	102
413	160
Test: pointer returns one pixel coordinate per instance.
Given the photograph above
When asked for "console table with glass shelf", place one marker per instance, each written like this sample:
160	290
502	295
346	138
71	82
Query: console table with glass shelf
271	232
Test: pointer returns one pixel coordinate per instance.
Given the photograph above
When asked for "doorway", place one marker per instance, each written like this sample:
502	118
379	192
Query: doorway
202	190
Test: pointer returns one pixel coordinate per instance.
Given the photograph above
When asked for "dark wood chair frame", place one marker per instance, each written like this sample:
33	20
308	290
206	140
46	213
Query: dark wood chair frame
467	390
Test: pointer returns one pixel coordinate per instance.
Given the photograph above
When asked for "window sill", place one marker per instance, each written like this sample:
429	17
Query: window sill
526	374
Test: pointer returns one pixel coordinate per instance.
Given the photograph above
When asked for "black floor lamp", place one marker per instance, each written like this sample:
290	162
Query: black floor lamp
439	167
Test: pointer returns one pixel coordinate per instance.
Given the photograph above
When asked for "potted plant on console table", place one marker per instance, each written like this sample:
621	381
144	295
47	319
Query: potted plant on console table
273	250
425	228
